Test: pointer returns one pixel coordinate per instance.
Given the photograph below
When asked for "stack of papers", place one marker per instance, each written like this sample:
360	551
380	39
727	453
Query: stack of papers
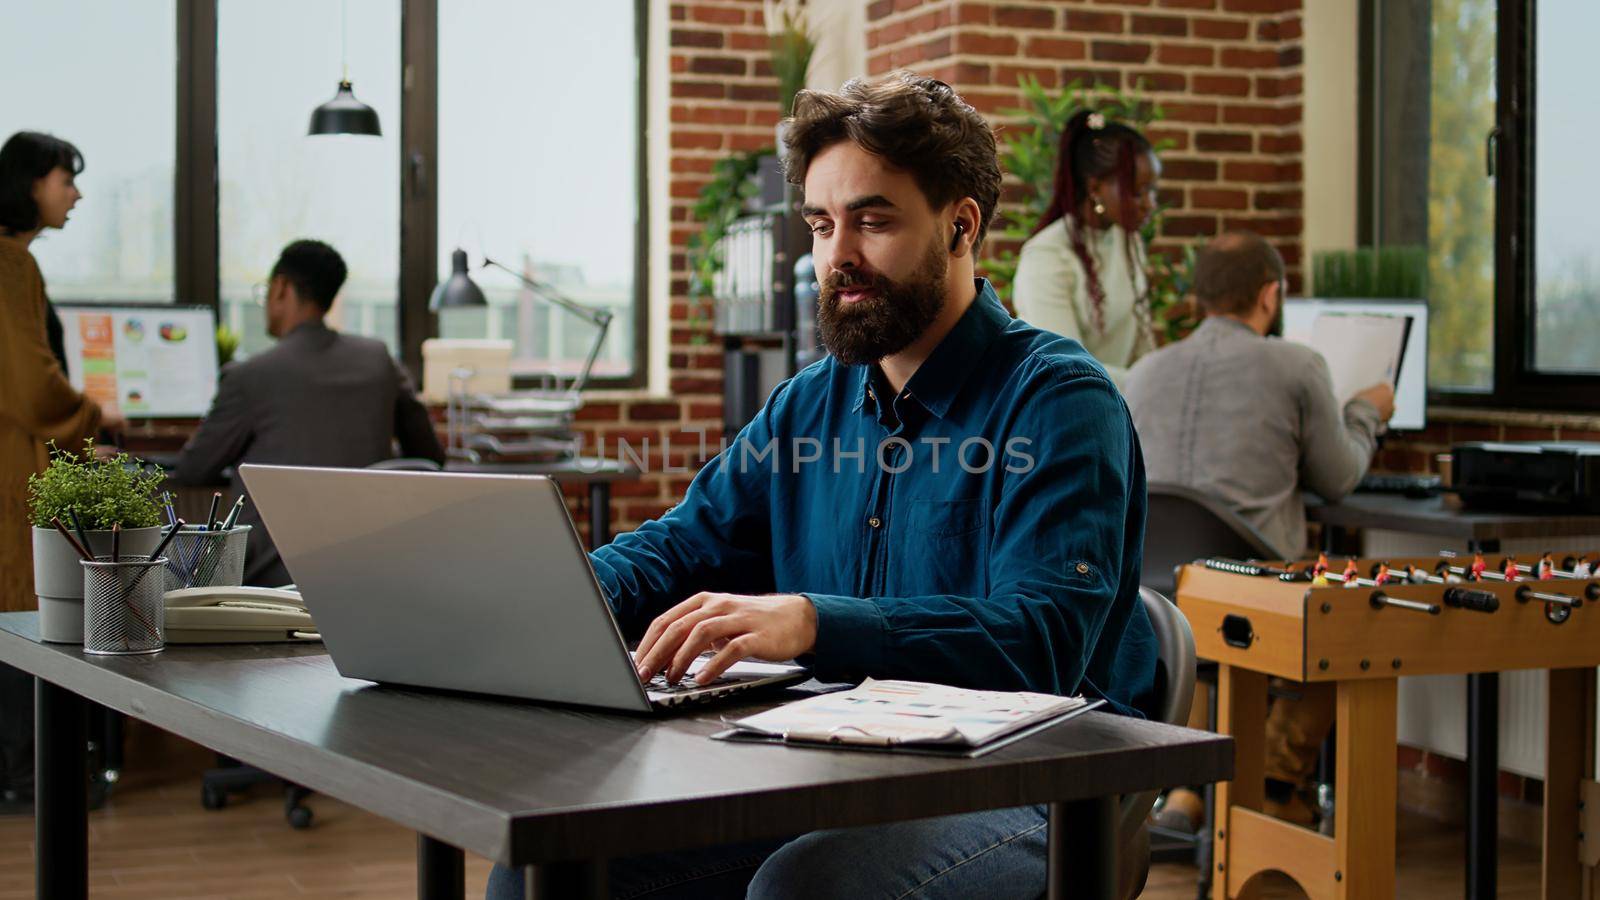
910	715
1362	349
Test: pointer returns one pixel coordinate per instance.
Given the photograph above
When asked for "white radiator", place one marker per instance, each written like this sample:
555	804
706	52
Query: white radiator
1433	708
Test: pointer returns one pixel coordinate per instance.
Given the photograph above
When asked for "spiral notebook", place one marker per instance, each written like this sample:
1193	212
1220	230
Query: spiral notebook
910	717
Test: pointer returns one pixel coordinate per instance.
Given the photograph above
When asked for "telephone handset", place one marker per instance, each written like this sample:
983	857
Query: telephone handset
237	615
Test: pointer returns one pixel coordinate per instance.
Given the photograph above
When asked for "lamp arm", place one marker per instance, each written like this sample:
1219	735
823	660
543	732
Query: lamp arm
598	317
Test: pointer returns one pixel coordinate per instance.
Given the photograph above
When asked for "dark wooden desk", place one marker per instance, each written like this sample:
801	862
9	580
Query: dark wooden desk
1478	530
1439	516
562	789
598	474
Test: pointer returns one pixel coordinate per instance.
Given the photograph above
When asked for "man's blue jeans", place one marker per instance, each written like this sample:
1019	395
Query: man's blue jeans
996	854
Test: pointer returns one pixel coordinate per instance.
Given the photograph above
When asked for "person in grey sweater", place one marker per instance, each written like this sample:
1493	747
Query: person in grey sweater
1234	412
318	398
1237	413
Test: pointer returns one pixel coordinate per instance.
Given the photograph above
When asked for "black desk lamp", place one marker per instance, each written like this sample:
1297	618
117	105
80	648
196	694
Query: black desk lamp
459	290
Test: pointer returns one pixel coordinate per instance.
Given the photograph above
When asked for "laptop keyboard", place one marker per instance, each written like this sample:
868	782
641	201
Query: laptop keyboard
660	685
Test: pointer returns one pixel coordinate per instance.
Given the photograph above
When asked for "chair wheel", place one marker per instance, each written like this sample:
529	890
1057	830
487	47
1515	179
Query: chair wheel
212	798
299	817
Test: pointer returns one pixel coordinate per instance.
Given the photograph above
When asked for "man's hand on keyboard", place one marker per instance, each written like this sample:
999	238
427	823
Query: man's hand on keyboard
734	626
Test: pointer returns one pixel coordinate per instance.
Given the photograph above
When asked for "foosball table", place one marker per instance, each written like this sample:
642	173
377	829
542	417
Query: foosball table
1362	624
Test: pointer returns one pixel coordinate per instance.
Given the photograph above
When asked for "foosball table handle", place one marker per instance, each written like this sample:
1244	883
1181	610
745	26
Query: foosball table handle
1379	600
1472	599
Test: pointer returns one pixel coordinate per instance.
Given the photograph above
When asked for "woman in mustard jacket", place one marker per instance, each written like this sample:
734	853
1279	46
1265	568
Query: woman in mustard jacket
37	403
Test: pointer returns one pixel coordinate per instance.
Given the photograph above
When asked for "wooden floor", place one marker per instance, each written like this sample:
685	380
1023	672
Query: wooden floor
153	840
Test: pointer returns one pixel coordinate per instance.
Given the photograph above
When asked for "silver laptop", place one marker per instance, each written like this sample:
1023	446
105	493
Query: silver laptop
463	582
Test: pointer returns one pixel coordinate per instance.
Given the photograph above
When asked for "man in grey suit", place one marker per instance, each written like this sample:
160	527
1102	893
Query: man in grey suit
319	398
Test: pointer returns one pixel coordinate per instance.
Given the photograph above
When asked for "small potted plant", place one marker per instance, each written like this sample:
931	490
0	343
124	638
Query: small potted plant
89	494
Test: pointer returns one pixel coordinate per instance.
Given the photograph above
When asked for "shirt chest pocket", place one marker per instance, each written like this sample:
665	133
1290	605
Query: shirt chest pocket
946	548
946	518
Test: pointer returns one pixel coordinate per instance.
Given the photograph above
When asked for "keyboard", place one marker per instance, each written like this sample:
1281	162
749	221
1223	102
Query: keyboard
660	685
1410	485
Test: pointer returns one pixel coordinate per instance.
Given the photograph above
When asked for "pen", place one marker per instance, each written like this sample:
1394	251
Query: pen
83	539
211	517
233	514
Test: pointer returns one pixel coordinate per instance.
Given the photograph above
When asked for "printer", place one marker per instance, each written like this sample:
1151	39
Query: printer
1528	477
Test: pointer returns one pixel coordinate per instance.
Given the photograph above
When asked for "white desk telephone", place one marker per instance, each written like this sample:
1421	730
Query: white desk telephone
237	615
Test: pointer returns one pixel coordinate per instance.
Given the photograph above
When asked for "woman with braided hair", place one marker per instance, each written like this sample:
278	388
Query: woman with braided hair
1082	273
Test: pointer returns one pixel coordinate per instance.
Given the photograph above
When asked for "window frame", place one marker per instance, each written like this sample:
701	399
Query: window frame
196	224
1509	150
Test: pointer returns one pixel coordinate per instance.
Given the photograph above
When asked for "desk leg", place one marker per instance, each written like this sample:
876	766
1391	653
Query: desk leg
441	870
1569	762
61	794
1483	774
599	514
1083	849
584	880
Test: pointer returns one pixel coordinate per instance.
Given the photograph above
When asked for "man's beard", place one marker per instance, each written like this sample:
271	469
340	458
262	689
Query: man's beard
888	321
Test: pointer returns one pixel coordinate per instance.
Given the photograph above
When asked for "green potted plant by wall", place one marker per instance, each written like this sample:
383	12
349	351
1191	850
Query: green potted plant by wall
93	494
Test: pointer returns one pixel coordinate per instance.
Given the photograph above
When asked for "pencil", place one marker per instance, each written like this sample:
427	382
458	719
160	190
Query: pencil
233	514
116	542
82	550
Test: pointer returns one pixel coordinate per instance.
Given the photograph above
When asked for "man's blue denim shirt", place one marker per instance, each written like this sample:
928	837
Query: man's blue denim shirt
984	531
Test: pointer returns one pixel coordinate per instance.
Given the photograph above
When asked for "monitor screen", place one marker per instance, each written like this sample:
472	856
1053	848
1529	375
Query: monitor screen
150	361
1411	392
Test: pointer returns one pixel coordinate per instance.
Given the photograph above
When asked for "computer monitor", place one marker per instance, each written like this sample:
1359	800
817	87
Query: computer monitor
150	361
1411	392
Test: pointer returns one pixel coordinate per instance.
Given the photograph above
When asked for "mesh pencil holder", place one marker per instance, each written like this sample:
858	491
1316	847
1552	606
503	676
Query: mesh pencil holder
200	558
122	606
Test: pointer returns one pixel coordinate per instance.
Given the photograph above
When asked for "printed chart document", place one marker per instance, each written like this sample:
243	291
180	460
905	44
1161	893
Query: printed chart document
1362	349
909	715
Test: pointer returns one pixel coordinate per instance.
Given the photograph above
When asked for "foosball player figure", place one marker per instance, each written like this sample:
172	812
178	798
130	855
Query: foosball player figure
1510	571
1319	571
1546	567
1475	573
1351	574
1583	568
1382	578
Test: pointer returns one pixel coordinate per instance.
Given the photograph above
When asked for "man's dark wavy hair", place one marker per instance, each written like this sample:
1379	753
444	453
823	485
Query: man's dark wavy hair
917	124
316	270
27	157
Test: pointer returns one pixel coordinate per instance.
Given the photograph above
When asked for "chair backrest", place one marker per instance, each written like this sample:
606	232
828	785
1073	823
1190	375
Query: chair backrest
1174	689
1183	525
407	464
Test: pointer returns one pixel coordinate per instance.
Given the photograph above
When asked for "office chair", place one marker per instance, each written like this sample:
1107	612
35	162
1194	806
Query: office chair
1169	702
231	777
1181	526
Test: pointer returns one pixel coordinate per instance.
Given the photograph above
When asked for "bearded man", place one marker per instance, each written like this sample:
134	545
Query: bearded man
952	496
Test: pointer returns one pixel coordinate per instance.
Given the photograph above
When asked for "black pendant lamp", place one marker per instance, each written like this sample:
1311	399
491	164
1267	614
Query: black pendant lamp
344	114
458	290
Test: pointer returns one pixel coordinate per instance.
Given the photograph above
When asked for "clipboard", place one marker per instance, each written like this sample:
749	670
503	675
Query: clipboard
840	739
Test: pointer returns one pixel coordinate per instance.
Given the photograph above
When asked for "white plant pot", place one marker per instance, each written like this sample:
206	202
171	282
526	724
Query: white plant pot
58	579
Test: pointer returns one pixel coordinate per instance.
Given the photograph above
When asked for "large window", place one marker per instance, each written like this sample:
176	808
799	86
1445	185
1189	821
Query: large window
539	169
1433	70
510	128
1484	102
1566	245
275	63
100	73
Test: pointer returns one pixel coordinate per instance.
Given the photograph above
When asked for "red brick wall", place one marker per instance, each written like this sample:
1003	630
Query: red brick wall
1228	73
722	98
